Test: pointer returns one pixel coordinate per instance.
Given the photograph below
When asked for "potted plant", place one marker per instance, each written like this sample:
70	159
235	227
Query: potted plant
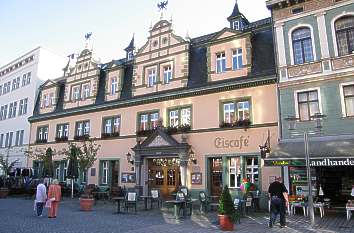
227	213
6	167
86	155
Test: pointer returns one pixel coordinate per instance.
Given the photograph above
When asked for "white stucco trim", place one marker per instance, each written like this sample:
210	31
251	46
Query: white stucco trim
318	89
279	30
341	85
322	33
335	47
291	41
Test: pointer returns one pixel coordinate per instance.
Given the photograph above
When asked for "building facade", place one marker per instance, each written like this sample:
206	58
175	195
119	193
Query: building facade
19	83
314	47
177	111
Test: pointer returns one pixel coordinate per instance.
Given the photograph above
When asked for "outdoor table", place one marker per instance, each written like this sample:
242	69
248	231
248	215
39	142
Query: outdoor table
101	194
175	206
146	198
294	204
118	199
349	209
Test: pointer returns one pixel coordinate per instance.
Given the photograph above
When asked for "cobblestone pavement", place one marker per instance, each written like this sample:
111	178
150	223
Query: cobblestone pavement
17	216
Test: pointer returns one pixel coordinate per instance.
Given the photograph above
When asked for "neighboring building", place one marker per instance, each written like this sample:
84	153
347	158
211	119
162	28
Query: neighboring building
19	83
215	96
315	56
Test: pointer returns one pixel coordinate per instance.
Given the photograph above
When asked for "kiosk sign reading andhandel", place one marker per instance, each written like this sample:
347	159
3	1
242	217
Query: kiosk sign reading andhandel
332	162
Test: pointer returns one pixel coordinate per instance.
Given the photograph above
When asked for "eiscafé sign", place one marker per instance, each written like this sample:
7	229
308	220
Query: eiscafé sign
237	142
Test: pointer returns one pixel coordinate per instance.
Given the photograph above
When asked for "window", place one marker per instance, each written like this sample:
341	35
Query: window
229	112
104	172
220	62
24	80
82	128
57	171
12	110
4	115
180	117
7	140
243	110
18	80
52	99
148	121
236	25
237	59
28	80
45	101
235	172
252	169
22	110
1	140
42	134
62	131
0	89
114	85
17	137
308	104
151	77
65	170
130	55
111	125
10	139
348	92
167	74
76	93
20	142
302	45
14	84
86	92
345	35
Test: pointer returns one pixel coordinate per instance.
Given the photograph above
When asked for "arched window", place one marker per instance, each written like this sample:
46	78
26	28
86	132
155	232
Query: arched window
302	45
345	35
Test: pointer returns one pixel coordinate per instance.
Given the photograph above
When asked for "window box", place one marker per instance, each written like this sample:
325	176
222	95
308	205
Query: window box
82	137
178	129
61	139
144	133
40	141
110	135
240	123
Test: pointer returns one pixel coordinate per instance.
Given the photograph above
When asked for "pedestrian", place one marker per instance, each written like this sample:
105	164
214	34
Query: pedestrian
41	197
54	195
278	195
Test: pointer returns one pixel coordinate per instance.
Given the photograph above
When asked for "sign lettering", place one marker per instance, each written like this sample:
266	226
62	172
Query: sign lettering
240	142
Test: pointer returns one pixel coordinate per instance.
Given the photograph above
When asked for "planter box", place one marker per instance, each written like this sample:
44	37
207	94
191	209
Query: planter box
86	204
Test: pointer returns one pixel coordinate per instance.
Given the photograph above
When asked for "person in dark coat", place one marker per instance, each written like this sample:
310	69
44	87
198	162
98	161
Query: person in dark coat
278	195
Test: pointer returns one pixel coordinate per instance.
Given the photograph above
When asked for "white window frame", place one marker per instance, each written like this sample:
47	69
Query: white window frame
144	120
236	55
22	133
154	118
151	77
342	101
290	33
167	74
79	129
318	89
45	100
114	85
220	59
116	124
237	184
86	128
65	170
243	109
228	111
108	126
236	25
186	116
252	173
333	28
86	91
174	118
104	172
76	93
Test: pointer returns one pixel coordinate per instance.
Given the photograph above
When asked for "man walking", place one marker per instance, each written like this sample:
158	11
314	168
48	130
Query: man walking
41	197
278	195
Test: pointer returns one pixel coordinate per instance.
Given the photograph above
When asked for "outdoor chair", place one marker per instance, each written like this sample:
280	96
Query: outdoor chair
184	189
131	200
204	201
156	197
180	196
238	207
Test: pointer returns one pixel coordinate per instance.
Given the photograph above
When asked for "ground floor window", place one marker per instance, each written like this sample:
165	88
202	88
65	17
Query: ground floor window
240	167
109	172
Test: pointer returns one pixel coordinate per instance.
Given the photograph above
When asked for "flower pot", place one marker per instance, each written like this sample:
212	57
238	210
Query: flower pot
86	204
4	192
225	223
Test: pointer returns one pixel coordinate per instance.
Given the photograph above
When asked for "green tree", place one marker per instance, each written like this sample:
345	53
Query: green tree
226	205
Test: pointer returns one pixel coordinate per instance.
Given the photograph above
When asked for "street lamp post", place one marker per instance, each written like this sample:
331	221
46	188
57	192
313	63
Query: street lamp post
292	122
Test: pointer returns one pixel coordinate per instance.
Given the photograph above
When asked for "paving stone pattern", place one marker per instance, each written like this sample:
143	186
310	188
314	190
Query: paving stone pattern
17	216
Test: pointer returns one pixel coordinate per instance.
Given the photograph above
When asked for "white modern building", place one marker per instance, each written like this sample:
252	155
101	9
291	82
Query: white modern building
19	83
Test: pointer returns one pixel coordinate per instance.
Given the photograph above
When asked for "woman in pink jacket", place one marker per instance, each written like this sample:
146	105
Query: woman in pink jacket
54	194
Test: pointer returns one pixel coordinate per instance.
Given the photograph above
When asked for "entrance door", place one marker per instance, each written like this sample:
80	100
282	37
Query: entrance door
164	174
115	173
216	176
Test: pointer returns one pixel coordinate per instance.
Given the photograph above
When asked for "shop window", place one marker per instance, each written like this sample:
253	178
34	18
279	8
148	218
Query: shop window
348	92
308	104
171	177
345	35
159	177
252	169
235	172
302	45
220	62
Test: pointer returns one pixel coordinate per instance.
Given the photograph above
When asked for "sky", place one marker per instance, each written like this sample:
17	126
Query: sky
61	25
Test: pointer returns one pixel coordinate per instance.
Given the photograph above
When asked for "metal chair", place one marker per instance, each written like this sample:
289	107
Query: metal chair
156	197
238	207
204	201
131	200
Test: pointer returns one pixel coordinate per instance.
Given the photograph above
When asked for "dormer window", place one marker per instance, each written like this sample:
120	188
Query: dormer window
167	74
130	55
237	59
236	25
151	77
220	62
46	101
52	99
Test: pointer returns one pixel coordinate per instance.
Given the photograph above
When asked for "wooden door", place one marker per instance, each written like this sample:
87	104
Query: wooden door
216	176
115	172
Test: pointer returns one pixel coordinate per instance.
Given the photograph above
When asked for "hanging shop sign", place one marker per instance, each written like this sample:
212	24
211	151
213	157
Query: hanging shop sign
239	142
326	162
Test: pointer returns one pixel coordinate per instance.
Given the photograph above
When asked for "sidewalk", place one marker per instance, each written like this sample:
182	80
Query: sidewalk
17	216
